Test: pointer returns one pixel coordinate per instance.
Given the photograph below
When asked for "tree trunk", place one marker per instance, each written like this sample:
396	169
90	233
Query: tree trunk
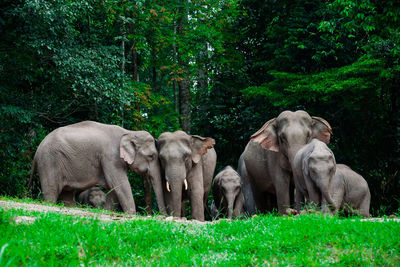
184	89
154	70
184	92
123	48
176	92
176	97
134	55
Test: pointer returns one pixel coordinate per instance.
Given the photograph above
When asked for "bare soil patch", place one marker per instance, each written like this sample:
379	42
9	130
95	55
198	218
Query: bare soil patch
79	212
110	216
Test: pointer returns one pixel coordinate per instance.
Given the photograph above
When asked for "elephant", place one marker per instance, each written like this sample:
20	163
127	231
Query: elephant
265	165
187	164
350	191
86	154
314	167
96	198
227	193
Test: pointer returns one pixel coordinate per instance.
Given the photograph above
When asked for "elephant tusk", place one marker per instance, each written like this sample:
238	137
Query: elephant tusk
185	183
169	190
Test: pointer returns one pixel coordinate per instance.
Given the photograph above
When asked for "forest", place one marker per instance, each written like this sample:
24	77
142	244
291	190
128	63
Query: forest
219	69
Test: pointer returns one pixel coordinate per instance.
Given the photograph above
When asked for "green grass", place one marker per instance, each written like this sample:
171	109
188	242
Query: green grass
55	239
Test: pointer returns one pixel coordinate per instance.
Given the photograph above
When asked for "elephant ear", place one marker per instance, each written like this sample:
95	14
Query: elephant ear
266	136
199	146
321	129
127	148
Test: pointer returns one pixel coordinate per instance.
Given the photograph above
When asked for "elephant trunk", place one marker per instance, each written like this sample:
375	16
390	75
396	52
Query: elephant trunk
175	182
324	187
176	199
293	151
155	178
231	201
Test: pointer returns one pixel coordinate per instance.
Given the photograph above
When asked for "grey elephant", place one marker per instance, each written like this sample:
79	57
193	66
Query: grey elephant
350	191
96	198
265	166
188	164
87	154
227	193
314	167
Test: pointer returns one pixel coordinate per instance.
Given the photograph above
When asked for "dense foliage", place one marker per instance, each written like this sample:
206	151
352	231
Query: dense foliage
214	68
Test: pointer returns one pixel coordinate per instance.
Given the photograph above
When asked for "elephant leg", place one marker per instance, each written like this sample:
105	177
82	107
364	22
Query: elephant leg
118	182
68	198
147	195
325	208
196	204
196	193
282	188
364	207
205	200
299	196
111	201
249	205
50	194
214	210
51	187
338	197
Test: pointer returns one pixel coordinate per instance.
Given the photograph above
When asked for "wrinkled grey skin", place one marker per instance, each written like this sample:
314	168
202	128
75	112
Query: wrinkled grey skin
349	189
313	169
189	157
265	166
227	193
86	154
94	197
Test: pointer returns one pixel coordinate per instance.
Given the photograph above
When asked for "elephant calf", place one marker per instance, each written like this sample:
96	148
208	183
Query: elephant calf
227	192
350	191
314	167
96	198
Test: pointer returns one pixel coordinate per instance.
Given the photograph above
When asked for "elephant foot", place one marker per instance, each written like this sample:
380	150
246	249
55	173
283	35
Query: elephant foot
175	219
290	211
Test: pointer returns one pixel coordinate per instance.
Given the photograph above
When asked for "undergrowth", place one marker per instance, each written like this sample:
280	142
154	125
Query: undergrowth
313	239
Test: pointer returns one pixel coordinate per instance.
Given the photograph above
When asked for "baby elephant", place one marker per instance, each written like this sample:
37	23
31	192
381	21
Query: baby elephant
350	191
314	167
96	198
227	192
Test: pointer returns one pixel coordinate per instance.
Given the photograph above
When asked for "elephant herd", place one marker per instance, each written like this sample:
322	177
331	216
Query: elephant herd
286	162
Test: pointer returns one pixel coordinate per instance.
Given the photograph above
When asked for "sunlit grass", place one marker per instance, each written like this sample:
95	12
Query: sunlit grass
56	239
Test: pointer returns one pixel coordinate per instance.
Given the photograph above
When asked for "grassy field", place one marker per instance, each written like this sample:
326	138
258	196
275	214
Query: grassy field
55	239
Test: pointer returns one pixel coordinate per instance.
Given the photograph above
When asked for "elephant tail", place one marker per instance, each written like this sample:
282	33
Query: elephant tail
32	173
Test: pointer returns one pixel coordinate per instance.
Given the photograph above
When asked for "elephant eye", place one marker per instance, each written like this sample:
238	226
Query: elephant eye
151	157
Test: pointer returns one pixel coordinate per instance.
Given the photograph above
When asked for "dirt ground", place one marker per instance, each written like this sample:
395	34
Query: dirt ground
110	216
79	212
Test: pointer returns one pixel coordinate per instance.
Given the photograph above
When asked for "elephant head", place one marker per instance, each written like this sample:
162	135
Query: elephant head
138	150
93	197
227	190
290	131
319	167
178	153
96	197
